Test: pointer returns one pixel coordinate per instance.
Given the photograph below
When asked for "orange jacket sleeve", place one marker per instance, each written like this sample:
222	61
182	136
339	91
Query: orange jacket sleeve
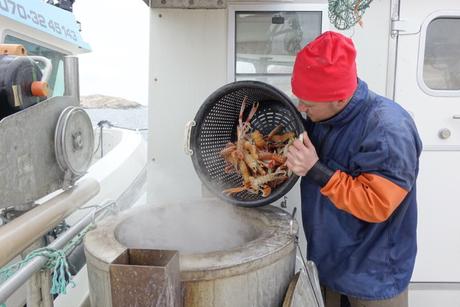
369	197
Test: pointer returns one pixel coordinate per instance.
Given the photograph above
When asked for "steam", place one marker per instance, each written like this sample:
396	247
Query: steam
190	227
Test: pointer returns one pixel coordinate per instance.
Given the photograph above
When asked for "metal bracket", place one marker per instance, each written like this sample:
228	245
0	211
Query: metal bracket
403	27
28	164
68	181
283	203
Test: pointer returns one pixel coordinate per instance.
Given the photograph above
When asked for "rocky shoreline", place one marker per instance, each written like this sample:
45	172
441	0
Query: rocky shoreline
102	101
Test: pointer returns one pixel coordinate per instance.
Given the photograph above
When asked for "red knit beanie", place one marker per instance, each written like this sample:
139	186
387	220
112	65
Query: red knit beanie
325	69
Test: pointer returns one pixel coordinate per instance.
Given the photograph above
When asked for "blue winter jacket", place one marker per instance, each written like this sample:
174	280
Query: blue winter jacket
367	260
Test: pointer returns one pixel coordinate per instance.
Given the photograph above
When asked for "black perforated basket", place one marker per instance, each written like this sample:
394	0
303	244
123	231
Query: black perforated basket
216	123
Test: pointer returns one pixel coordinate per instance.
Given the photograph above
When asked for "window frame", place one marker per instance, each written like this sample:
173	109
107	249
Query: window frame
33	41
288	7
421	54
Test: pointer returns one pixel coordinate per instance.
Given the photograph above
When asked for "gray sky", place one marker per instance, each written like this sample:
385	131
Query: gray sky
117	31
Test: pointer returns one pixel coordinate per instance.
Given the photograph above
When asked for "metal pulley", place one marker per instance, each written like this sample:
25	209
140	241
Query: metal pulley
74	142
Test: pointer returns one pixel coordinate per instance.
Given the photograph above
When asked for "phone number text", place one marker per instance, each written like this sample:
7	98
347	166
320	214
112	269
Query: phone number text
13	8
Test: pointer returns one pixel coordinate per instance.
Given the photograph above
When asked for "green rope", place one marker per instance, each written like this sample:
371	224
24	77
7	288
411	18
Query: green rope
57	263
344	14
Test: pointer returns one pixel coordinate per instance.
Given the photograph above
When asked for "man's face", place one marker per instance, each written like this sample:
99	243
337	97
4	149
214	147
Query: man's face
319	111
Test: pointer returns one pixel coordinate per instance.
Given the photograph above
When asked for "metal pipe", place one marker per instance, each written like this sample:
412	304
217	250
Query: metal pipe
29	227
46	73
71	77
101	141
21	276
393	41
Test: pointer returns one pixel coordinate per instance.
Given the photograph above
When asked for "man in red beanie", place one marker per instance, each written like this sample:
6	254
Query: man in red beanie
359	162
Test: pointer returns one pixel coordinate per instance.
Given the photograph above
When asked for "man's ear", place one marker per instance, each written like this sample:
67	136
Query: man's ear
344	101
341	103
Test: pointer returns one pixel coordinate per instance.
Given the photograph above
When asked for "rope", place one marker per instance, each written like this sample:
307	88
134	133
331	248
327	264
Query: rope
344	14
57	262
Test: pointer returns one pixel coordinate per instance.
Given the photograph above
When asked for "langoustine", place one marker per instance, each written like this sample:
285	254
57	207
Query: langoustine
259	159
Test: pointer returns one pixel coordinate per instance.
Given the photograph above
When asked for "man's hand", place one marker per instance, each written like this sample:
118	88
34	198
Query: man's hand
301	156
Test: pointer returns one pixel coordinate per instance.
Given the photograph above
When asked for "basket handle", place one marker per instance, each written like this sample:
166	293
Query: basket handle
188	131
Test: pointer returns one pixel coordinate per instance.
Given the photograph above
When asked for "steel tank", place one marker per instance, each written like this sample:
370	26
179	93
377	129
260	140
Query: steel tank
257	272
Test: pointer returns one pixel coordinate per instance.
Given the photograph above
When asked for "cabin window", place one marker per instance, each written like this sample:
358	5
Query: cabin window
441	64
56	81
267	41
